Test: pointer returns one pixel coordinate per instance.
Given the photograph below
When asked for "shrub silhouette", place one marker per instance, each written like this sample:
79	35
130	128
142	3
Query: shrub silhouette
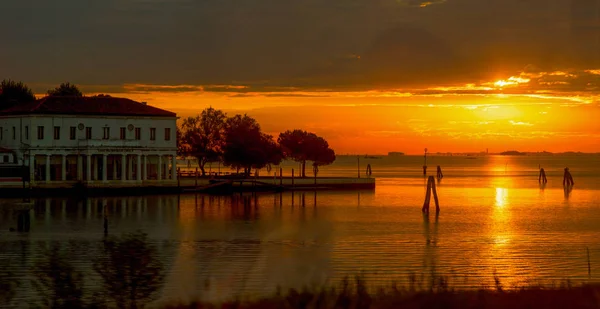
57	281
131	274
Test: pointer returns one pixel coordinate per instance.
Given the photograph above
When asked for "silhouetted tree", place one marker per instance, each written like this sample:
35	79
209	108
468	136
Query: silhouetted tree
130	270
246	147
302	146
203	136
65	89
13	93
57	280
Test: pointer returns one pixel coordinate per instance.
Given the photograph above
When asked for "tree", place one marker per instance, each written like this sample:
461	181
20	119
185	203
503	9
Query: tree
13	93
66	90
302	146
246	147
57	280
203	136
130	270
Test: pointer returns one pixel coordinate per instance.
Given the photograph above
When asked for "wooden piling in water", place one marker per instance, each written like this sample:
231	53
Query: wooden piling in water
292	178
568	178
281	176
542	178
196	175
431	188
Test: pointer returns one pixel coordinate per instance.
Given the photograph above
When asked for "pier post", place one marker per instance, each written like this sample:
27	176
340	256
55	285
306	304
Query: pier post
358	165
178	178
440	175
281	176
292	178
542	178
431	188
568	178
196	177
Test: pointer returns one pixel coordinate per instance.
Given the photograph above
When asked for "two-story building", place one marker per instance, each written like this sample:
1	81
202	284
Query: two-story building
99	141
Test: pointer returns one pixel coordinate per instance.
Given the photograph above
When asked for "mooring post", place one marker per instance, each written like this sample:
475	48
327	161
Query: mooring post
427	197
358	165
568	178
440	175
292	178
178	177
435	196
542	178
431	187
196	180
281	176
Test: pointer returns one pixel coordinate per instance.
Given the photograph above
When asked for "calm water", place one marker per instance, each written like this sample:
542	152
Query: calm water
494	217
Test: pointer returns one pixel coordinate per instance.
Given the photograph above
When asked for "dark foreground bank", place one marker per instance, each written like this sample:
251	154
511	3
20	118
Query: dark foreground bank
587	296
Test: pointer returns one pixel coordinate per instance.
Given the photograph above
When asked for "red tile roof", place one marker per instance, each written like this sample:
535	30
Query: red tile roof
98	105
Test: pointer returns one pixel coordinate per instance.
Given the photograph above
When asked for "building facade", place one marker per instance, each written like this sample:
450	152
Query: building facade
98	141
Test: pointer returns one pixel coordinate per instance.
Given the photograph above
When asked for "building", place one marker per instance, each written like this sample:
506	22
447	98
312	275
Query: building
98	141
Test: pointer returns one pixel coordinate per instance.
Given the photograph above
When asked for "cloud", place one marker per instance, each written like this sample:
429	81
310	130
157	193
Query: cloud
420	3
308	44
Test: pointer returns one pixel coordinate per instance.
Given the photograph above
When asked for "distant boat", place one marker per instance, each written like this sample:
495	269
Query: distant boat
395	154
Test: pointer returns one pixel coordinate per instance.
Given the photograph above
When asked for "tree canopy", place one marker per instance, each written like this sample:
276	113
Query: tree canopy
203	136
240	144
302	146
13	93
246	147
65	89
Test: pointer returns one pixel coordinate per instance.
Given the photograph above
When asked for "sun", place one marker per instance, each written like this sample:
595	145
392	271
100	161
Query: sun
512	81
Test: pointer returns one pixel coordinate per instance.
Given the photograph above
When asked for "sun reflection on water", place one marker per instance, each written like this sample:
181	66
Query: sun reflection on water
501	197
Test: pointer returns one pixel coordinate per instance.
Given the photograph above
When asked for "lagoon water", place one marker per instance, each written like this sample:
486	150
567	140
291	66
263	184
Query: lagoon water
495	219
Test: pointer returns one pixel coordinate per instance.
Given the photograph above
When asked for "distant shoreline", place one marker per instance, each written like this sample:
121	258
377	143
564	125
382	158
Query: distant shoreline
467	154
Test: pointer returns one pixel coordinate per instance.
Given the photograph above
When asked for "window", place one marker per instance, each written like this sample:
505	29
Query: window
5	159
40	132
88	132
26	132
167	134
152	134
1	133
138	133
57	133
72	133
14	133
122	132
106	133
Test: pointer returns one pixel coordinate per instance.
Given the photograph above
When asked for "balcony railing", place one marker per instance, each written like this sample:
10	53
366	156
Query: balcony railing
96	143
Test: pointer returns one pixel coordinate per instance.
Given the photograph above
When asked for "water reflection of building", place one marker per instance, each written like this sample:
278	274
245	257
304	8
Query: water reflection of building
212	247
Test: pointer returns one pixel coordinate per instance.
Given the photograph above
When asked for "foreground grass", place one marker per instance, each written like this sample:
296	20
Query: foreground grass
356	296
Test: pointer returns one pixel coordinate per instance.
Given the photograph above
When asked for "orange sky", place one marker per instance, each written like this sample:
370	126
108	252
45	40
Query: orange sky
371	76
508	114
